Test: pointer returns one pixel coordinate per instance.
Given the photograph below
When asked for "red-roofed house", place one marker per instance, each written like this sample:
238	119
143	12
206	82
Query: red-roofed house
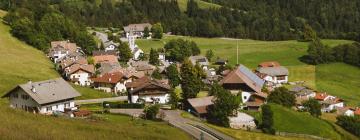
328	102
357	111
110	82
105	59
60	49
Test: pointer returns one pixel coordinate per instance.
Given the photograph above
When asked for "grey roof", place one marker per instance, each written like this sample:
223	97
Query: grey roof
137	27
297	88
108	67
274	71
252	76
202	60
48	91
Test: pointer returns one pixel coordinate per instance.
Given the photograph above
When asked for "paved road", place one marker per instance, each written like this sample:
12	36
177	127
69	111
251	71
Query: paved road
191	127
119	98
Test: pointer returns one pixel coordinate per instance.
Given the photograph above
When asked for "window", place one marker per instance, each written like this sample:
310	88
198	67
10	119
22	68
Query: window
48	108
245	97
15	95
25	97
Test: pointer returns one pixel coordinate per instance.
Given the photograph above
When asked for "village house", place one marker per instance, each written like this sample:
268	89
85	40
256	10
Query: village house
202	60
44	97
303	92
137	30
101	52
249	85
111	82
346	111
272	73
143	66
110	46
109	68
105	59
328	102
60	49
80	74
147	90
198	106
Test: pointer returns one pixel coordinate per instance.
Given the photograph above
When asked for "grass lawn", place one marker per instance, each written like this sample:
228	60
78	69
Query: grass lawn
341	80
288	120
89	93
20	63
202	4
246	135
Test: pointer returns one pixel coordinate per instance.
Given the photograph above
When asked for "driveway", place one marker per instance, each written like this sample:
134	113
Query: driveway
174	118
100	100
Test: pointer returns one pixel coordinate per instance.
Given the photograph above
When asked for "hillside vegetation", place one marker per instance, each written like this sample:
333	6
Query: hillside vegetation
20	63
201	4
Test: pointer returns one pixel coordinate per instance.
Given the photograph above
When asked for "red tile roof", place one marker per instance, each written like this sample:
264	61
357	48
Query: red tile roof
76	67
269	64
320	96
65	44
111	78
357	111
105	58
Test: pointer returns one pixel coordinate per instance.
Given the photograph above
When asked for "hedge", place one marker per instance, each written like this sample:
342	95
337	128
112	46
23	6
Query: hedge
122	105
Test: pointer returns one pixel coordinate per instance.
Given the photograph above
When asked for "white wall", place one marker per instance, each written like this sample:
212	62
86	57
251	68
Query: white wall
110	48
83	78
120	87
164	98
58	55
245	96
57	107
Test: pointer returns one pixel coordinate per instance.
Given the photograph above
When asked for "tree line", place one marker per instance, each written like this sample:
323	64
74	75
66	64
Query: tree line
37	23
260	19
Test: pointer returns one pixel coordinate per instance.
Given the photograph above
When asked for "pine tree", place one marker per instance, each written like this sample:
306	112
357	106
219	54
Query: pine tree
157	31
146	32
209	54
124	52
156	74
267	119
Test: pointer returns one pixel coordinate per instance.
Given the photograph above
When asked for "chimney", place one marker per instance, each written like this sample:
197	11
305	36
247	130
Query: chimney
33	89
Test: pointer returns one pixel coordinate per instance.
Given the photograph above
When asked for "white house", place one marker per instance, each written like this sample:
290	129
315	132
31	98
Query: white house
135	50
137	30
149	91
80	74
329	102
111	82
110	46
275	75
43	97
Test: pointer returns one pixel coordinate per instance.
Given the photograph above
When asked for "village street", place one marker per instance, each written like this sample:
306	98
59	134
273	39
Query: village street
175	119
119	98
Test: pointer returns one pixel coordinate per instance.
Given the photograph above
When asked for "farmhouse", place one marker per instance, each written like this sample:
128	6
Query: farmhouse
272	73
110	82
346	111
80	74
148	90
60	49
245	82
328	102
67	62
202	60
303	92
43	97
137	29
110	46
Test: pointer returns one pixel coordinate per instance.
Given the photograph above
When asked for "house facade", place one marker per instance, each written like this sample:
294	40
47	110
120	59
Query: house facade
111	82
148	91
80	74
272	73
60	49
329	102
45	97
137	30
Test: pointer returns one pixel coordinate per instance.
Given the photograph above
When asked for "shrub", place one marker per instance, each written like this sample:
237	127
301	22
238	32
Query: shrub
122	105
151	112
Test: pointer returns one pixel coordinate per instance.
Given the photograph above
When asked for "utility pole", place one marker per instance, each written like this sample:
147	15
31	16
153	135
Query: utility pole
237	52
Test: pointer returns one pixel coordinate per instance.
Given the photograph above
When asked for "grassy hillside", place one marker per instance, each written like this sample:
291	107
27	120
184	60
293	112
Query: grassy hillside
201	4
20	63
288	120
341	80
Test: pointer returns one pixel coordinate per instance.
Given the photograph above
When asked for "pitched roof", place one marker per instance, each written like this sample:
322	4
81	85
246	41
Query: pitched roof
269	64
109	68
111	78
105	58
48	91
202	60
137	27
200	104
76	67
97	53
64	44
273	71
150	84
138	82
70	61
297	88
243	75
320	96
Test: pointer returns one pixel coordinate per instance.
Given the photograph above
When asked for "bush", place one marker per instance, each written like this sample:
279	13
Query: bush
351	124
151	112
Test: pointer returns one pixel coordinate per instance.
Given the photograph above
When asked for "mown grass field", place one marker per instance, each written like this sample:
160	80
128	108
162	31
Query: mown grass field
20	63
202	4
338	79
89	93
288	120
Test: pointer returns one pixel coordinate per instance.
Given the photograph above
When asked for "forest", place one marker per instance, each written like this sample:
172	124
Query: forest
253	19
